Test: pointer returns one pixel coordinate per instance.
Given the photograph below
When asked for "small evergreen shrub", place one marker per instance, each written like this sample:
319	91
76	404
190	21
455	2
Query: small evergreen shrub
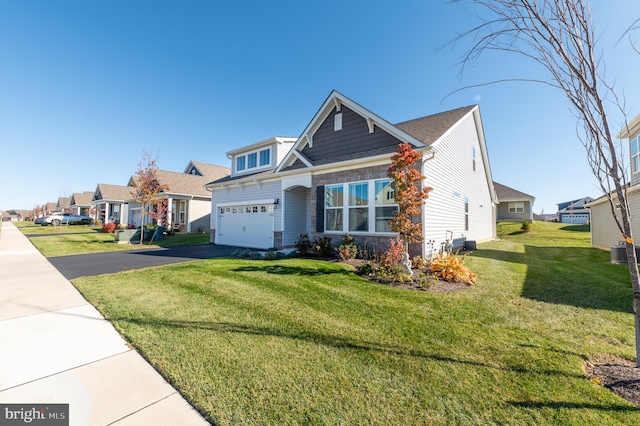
322	246
303	245
526	226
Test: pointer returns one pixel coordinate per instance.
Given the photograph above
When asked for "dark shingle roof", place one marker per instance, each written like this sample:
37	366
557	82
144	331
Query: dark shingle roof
506	193
430	128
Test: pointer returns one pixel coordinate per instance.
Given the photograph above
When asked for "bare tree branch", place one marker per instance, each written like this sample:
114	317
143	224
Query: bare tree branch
559	36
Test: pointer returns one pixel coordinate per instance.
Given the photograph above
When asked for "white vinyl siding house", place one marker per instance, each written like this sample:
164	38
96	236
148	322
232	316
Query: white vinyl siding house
332	180
450	173
604	231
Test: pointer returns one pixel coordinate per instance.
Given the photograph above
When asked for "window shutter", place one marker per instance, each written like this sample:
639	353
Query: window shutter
320	208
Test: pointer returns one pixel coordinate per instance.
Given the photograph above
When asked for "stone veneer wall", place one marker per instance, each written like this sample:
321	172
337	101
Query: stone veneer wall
379	244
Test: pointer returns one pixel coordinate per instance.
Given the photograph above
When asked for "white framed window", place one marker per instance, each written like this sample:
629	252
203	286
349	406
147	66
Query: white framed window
360	207
516	207
183	212
240	163
334	203
635	154
254	160
265	157
385	204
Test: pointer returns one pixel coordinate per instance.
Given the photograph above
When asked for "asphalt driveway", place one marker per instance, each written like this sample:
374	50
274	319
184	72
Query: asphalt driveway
83	265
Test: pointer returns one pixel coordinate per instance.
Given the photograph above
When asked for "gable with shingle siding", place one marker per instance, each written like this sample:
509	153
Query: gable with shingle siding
330	145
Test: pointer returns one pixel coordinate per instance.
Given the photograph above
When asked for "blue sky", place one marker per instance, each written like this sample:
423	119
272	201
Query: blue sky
87	87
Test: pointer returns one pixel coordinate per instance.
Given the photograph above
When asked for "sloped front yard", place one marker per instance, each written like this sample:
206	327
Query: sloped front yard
308	342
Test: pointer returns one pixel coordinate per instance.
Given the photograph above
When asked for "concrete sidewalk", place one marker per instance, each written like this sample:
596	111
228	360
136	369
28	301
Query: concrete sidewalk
57	348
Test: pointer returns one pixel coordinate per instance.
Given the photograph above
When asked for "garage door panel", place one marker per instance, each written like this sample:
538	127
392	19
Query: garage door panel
246	226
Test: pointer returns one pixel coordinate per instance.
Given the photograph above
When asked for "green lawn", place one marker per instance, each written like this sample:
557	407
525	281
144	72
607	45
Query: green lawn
307	342
78	239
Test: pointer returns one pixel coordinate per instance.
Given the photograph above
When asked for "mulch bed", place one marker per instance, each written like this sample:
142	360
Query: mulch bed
434	285
616	374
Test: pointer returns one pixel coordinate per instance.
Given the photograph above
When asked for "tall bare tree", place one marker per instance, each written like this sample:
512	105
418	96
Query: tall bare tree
559	36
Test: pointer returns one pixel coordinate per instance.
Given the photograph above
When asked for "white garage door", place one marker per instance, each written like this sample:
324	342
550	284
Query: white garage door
580	219
246	226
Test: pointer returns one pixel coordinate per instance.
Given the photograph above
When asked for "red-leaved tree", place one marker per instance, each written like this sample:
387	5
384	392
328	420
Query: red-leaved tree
145	186
410	195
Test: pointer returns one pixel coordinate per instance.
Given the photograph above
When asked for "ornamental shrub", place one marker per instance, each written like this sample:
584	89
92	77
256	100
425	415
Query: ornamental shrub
109	228
526	226
303	245
452	268
348	249
322	246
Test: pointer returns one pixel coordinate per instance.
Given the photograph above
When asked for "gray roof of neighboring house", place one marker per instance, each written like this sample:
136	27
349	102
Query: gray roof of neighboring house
82	198
211	171
113	192
503	192
182	183
64	202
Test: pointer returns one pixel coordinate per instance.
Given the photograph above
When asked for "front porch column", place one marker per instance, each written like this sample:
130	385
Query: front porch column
169	223
107	211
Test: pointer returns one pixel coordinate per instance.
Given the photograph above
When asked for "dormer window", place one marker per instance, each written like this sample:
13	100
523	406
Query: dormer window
240	163
635	154
254	160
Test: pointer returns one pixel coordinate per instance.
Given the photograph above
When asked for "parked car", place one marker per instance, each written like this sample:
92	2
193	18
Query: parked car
39	220
66	218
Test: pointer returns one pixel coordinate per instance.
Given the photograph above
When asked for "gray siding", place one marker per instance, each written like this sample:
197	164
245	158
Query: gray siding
297	214
504	215
354	138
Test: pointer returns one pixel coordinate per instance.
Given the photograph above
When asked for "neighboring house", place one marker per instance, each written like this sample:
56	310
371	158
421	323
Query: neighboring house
574	211
111	202
50	208
16	215
515	206
81	202
64	204
604	232
332	180
188	202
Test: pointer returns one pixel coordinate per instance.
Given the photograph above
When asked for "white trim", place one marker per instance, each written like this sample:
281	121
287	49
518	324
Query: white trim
258	145
304	180
247	203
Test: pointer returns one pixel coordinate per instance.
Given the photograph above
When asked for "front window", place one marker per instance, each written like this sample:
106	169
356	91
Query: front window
183	212
385	204
360	206
635	154
516	207
334	201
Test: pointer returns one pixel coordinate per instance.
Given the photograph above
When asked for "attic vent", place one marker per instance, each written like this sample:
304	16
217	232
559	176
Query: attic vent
337	122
